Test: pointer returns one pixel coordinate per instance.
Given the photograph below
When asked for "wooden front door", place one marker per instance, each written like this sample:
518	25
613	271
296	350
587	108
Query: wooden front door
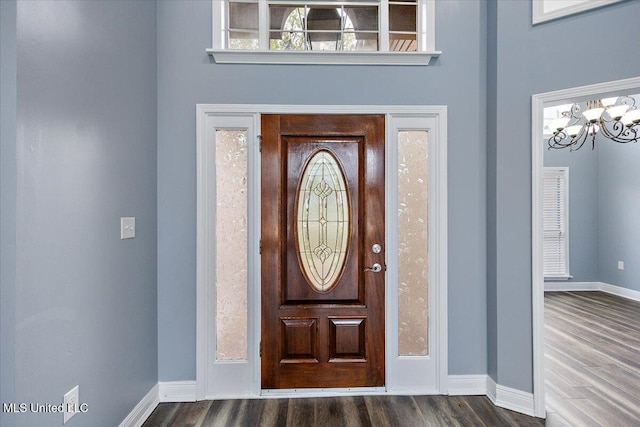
322	213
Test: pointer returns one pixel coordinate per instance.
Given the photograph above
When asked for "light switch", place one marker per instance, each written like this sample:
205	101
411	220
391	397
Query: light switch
127	227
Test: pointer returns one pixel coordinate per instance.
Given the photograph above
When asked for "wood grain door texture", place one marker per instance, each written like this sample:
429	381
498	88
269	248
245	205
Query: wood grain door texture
323	311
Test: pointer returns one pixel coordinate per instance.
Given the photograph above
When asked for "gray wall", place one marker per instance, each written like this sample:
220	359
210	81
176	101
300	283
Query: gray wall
604	201
583	208
550	56
85	155
8	183
85	301
619	214
186	77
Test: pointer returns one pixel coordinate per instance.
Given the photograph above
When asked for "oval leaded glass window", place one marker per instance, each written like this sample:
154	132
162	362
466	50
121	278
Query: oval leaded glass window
322	221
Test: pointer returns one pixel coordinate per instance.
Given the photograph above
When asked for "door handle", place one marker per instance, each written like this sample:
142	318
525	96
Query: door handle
376	268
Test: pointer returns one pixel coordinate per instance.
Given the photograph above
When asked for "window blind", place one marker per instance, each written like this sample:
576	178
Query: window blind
555	221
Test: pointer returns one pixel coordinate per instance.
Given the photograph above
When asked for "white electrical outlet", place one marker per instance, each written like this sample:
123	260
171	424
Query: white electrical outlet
70	404
620	265
128	227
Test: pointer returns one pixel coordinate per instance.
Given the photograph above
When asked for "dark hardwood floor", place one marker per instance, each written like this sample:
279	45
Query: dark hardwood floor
592	368
592	359
392	411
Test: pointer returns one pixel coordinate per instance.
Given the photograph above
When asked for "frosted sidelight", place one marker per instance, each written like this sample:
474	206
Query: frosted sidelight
412	243
231	244
322	221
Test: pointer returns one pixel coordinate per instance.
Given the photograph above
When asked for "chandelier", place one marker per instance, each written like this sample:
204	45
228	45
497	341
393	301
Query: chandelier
615	118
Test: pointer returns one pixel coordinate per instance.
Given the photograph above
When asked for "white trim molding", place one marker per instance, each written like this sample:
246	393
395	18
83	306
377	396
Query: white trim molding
620	291
592	286
177	391
458	385
514	400
504	397
564	9
215	377
143	409
222	56
538	102
510	398
491	389
468	385
422	375
418	374
571	286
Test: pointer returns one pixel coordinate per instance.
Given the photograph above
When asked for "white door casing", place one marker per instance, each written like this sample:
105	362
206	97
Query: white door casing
538	102
404	374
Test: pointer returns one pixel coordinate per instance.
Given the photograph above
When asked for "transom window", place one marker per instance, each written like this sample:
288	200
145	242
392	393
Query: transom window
321	28
281	27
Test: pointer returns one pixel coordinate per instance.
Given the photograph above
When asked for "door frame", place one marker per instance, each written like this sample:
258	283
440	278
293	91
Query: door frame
538	103
400	370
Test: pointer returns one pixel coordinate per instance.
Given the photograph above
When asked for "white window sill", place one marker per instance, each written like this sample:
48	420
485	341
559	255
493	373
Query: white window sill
330	58
557	278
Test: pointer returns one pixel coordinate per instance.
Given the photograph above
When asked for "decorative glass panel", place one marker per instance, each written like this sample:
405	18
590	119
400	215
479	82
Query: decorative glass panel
322	221
231	245
412	243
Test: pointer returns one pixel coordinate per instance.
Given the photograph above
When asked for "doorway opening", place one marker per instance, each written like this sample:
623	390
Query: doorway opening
539	144
419	368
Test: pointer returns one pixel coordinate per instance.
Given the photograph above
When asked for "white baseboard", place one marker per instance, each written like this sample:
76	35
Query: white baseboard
467	385
458	385
592	286
177	391
620	291
510	398
491	389
515	400
143	409
571	286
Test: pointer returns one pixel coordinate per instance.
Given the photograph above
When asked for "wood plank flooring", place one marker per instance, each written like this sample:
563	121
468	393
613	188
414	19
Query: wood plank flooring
348	411
592	368
592	359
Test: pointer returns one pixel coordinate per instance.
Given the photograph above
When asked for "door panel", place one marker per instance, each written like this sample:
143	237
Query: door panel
322	313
